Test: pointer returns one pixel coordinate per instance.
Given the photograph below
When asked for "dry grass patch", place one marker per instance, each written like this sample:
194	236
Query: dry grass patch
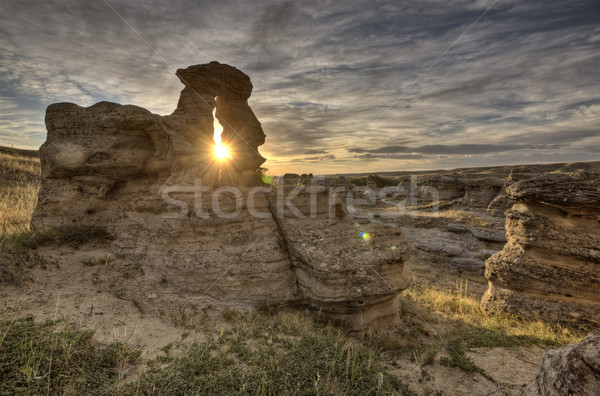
19	184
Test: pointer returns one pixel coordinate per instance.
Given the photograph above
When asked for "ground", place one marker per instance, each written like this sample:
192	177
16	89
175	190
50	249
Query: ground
442	345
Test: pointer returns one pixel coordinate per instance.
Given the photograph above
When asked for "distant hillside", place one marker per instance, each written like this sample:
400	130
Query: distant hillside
496	171
20	152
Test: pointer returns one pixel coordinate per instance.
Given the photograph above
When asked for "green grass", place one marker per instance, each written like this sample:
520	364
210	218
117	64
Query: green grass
283	354
52	358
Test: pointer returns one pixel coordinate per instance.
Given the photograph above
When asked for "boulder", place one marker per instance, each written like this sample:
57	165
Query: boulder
550	267
570	370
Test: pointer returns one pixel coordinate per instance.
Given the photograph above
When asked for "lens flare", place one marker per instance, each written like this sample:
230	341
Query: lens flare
365	236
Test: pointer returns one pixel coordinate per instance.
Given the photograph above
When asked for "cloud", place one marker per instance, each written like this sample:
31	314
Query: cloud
315	152
457	149
336	84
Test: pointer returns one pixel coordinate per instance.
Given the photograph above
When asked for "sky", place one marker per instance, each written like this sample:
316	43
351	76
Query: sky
346	86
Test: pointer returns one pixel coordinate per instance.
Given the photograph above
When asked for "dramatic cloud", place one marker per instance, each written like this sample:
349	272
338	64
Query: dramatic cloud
340	86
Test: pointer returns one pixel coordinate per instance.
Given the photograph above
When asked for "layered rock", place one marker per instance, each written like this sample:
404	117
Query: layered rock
550	267
152	181
346	271
570	370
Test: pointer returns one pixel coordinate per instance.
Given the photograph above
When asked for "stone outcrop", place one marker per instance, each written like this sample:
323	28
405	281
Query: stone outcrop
153	183
570	370
550	267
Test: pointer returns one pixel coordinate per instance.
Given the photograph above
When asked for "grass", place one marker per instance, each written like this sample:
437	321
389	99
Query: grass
53	358
19	184
285	354
459	326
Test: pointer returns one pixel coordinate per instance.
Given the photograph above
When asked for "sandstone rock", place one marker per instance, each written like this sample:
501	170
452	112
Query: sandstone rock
469	264
372	185
549	269
153	183
306	179
570	370
441	247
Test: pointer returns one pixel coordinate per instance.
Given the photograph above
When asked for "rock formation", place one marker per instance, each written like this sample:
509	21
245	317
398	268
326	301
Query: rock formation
153	182
570	370
550	267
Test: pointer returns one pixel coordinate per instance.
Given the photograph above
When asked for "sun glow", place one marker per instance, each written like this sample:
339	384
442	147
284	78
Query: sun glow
221	151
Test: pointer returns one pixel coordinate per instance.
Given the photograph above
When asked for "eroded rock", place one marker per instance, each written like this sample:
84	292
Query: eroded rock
550	267
196	226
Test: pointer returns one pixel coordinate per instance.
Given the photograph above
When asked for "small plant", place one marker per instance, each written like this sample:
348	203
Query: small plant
230	314
458	358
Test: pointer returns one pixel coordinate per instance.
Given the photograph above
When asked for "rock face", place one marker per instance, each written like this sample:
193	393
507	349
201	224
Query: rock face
550	267
153	182
571	370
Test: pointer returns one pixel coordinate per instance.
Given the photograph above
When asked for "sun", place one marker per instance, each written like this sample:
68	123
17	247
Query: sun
221	152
